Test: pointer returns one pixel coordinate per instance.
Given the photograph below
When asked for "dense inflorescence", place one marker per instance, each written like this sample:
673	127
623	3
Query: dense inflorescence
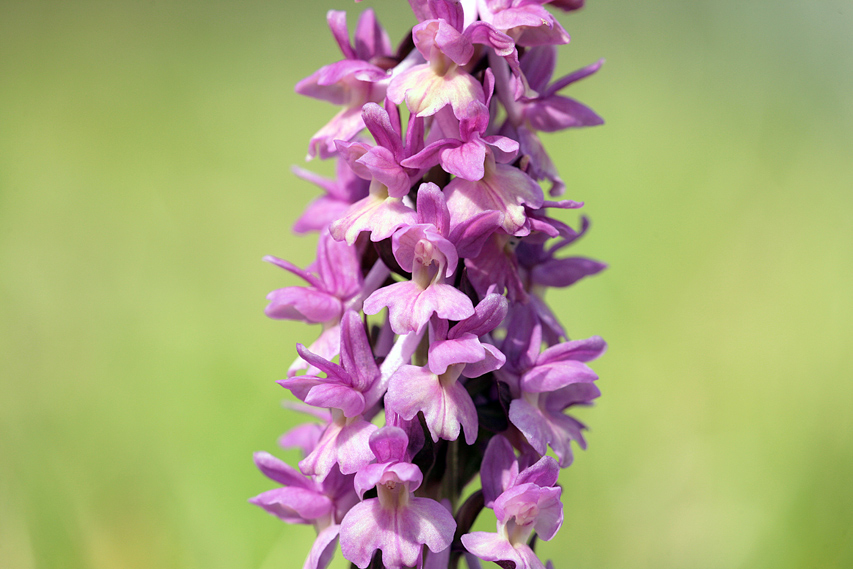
438	359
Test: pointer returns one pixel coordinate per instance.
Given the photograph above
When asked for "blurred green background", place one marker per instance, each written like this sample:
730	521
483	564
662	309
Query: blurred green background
145	150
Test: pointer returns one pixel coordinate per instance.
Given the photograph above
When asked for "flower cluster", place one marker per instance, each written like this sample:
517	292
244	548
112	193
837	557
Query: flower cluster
438	359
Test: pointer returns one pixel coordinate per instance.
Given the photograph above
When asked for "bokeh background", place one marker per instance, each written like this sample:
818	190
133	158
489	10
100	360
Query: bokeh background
145	153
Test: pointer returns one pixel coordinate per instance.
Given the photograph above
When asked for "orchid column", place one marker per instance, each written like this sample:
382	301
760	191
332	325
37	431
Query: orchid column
438	360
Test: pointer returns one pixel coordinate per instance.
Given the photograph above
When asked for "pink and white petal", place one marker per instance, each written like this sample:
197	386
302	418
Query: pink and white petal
351	153
383	165
499	469
307	276
487	34
543	472
389	444
584	350
574	394
432	208
375	213
445	301
450	11
319	214
535	24
576	75
530	421
428	157
302	304
556	375
360	532
371	39
347	73
488	314
323	549
391	215
553	34
338	265
538	64
412	389
300	385
557	113
565	429
344	445
429	523
466	349
368	477
404	242
507	190
565	272
304	437
454	45
503	148
494	360
491	547
550	517
294	505
455	410
529	559
326	346
342	397
354	446
378	122
333	371
343	126
311	87
280	471
368	527
337	20
399	298
470	235
426	93
465	160
356	354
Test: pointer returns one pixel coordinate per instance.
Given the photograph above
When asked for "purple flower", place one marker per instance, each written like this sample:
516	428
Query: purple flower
447	46
540	269
358	79
503	188
465	156
528	502
435	390
382	162
345	385
334	281
345	390
341	192
543	110
496	265
395	522
526	21
423	251
307	500
555	380
379	213
441	221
